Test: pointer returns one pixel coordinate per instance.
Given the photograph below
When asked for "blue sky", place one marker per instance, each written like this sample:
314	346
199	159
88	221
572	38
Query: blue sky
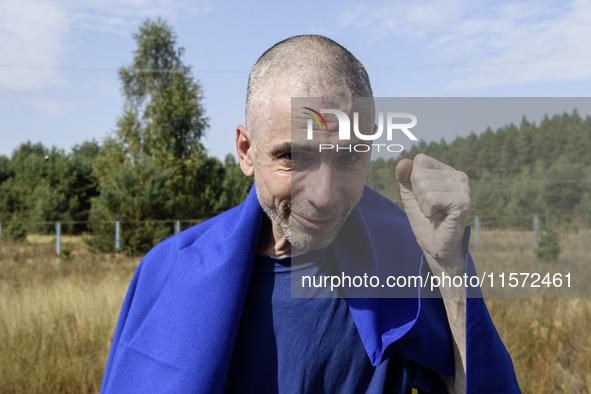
59	58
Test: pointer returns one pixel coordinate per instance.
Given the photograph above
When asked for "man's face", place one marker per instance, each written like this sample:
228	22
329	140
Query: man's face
307	194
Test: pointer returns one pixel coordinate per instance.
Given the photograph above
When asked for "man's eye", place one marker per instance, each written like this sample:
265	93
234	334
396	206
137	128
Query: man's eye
295	155
348	158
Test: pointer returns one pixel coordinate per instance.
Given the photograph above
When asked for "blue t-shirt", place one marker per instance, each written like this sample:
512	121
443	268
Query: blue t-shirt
303	345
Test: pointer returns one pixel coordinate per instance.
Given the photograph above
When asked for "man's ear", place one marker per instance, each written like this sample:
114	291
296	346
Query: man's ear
245	150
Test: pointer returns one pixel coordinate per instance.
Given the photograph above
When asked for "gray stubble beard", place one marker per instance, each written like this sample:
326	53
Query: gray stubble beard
302	240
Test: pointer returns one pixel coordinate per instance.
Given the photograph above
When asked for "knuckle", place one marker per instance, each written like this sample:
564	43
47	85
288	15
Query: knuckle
415	177
466	203
462	177
420	159
423	186
428	198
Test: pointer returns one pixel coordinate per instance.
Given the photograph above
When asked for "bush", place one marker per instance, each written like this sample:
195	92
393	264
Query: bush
66	252
548	242
15	232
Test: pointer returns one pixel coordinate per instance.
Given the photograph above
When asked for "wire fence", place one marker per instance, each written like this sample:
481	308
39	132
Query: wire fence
14	231
172	227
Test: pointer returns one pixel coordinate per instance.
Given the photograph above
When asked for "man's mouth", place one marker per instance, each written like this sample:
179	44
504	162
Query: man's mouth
316	224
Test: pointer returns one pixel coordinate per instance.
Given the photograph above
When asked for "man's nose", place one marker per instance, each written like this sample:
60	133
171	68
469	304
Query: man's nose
321	187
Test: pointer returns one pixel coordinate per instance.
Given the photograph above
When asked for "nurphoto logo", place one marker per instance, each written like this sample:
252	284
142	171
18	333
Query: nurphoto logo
345	129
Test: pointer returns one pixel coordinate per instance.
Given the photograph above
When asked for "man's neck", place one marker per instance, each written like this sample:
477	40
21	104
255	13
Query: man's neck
272	241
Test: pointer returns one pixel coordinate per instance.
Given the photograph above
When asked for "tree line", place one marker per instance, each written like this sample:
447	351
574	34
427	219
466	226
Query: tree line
515	172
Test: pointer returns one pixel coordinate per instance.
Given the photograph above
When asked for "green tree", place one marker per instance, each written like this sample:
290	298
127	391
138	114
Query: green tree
382	178
137	196
163	116
159	131
563	186
235	186
5	169
488	151
524	201
82	182
489	199
548	248
524	144
198	186
508	164
37	188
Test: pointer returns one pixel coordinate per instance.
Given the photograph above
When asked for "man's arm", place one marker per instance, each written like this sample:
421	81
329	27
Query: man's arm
455	308
436	199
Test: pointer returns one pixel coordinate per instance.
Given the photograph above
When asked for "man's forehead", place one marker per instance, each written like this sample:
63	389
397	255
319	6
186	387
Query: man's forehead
300	140
296	106
285	113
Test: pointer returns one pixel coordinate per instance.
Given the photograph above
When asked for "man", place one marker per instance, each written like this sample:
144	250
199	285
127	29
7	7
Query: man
211	310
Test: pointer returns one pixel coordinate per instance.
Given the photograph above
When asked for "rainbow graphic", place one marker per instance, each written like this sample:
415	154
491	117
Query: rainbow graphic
315	118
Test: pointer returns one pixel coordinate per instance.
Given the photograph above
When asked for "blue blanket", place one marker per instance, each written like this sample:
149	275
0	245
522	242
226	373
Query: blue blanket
180	317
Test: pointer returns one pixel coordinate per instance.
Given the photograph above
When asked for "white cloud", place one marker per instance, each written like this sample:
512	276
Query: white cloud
123	16
31	33
36	34
403	19
501	43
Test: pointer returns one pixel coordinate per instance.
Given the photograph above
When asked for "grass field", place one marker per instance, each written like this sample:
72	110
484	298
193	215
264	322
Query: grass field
549	339
57	317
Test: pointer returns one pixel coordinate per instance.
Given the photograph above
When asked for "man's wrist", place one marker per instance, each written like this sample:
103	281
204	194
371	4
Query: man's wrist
451	268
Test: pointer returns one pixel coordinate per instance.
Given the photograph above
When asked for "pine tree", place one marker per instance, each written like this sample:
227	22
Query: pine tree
138	197
548	248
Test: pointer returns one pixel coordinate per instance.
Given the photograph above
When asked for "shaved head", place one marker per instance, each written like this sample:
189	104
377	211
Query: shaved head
316	203
302	66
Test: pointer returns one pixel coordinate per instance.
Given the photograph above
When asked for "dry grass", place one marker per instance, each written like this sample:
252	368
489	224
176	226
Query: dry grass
57	317
549	341
550	338
512	251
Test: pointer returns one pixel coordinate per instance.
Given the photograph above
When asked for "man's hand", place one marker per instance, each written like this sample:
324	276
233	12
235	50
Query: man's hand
436	198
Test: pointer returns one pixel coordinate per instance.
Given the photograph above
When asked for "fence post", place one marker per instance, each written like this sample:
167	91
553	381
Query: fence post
477	232
117	236
177	227
536	225
58	240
